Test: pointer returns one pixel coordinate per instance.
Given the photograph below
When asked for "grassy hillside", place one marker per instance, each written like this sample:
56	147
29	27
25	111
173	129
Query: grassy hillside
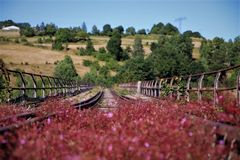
37	60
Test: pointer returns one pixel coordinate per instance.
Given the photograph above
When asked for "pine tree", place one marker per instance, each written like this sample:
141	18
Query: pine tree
138	47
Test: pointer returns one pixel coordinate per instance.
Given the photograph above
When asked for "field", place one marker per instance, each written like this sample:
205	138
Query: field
41	59
37	60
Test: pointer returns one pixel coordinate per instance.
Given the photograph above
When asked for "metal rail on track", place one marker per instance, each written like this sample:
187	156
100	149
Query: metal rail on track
91	102
30	121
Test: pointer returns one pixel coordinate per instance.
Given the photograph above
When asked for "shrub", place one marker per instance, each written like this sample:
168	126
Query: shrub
87	63
102	50
82	52
23	39
65	69
48	40
39	40
103	56
3	90
16	40
57	45
113	65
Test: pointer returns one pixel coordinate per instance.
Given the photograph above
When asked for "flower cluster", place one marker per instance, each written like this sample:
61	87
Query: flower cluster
142	130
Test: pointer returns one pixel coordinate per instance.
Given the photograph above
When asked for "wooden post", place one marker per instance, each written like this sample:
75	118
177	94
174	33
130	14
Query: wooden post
188	88
35	86
215	90
200	87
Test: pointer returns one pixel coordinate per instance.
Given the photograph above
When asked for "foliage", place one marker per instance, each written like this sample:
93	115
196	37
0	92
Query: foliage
82	52
167	29
81	36
65	69
28	32
138	48
130	31
113	65
190	33
102	50
133	131
172	56
95	30
89	47
119	29
64	35
114	46
107	30
218	54
141	31
57	45
3	89
84	27
103	56
50	29
87	63
135	69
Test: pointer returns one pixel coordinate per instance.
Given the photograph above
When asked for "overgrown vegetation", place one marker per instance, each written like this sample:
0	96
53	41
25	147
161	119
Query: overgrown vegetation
65	69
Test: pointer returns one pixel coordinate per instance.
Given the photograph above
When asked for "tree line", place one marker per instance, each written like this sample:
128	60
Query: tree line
50	29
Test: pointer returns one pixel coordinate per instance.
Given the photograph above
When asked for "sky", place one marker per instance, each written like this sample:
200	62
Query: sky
209	17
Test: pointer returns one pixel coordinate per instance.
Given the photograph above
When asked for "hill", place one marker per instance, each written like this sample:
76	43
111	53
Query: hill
37	60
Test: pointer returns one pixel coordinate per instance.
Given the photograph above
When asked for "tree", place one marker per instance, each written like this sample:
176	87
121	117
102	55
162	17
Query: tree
142	31
65	69
28	32
95	30
114	46
120	29
157	28
89	47
84	27
189	33
57	45
64	35
130	31
81	36
135	69
138	47
169	29
107	30
215	54
7	23
172	56
50	29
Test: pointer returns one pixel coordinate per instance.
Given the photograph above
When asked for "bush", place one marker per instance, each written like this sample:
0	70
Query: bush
48	40
3	90
87	63
23	39
82	52
102	50
103	56
113	65
39	40
57	45
65	69
16	40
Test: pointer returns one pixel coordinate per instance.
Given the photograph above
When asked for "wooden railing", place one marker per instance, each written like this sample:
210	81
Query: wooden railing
23	85
213	82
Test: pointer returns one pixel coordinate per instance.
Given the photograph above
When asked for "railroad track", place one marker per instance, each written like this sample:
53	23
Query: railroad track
23	119
91	102
28	118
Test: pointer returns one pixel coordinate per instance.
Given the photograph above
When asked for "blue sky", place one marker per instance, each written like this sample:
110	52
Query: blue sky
210	17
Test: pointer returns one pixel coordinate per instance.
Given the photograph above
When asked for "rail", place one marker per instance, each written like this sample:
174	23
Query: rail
30	86
91	102
186	86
